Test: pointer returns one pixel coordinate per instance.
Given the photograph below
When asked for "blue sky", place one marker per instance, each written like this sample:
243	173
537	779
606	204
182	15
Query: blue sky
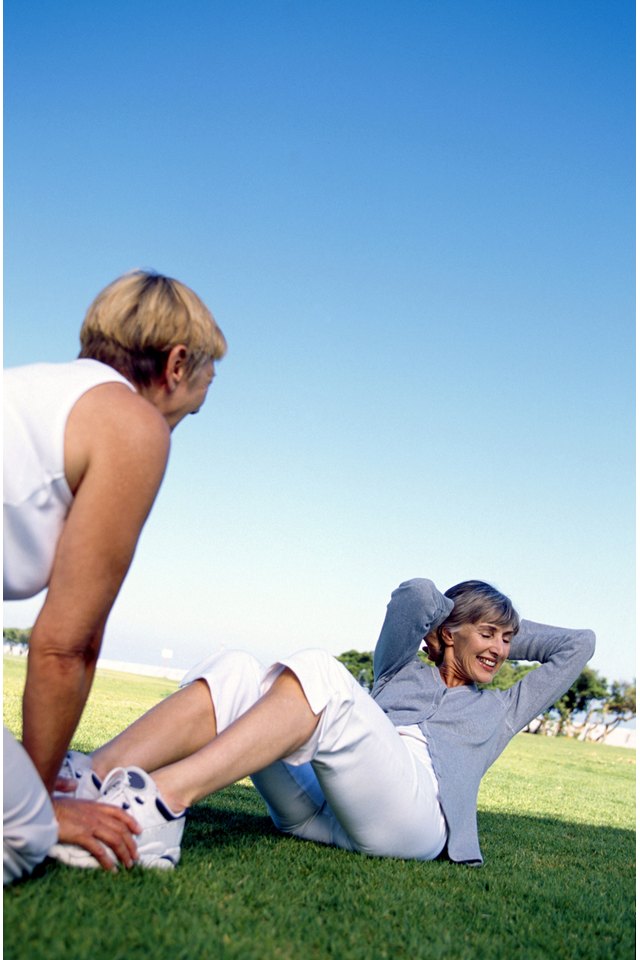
414	222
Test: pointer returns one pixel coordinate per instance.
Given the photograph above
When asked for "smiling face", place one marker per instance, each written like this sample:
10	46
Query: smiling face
474	652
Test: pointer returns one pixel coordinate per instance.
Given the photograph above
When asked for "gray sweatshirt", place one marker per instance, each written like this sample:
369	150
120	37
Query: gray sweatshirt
466	727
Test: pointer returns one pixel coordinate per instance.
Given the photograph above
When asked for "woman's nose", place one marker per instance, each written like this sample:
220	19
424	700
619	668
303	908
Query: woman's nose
503	648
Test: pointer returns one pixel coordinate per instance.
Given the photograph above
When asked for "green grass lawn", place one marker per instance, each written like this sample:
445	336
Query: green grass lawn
556	824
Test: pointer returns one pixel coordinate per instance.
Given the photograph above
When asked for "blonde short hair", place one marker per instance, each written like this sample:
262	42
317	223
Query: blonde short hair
133	324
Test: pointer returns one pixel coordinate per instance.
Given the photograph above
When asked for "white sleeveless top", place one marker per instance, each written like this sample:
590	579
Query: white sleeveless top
37	402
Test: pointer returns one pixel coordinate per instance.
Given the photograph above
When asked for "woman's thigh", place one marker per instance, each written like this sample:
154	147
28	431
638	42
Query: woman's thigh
368	792
354	783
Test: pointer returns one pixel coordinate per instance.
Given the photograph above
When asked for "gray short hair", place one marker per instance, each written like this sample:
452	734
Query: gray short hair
475	601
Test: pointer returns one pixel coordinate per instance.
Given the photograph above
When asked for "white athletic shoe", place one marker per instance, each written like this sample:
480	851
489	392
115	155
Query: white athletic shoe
135	791
159	843
76	766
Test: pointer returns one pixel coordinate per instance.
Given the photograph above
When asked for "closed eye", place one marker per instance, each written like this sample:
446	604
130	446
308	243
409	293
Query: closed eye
489	630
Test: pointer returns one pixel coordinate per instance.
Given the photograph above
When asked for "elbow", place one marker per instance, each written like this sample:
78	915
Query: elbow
414	597
590	643
65	655
418	586
60	662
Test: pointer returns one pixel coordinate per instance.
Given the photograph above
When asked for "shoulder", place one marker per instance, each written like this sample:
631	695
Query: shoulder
115	406
111	427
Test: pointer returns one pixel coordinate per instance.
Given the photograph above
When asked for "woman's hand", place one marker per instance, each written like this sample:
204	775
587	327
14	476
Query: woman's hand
96	826
434	647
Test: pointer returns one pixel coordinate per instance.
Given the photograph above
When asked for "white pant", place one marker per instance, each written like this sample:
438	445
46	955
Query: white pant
29	827
355	783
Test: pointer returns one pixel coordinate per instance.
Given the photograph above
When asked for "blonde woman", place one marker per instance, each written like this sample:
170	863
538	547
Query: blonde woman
85	449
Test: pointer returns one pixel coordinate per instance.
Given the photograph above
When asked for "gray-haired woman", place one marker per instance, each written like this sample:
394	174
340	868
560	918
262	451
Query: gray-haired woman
393	774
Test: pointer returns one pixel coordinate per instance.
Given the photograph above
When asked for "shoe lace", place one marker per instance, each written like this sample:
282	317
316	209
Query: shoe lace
71	769
66	770
116	789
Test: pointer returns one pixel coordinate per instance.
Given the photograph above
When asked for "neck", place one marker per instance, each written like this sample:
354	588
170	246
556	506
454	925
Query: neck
156	394
451	677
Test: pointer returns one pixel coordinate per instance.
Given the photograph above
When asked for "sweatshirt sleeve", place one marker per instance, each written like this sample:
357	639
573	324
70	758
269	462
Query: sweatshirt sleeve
415	608
562	654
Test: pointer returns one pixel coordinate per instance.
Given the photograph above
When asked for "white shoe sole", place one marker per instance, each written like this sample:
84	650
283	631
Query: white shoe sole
74	856
152	856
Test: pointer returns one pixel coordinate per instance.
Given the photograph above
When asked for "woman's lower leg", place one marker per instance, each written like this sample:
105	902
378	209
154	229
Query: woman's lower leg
173	729
277	725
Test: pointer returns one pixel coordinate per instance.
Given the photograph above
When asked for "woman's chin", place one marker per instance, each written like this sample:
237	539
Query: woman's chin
485	674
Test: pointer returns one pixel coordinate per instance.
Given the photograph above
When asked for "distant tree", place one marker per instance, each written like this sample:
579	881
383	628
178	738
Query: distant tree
16	636
585	695
619	707
360	665
590	709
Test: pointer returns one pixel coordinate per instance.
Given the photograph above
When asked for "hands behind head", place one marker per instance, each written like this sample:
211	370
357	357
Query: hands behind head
434	647
96	826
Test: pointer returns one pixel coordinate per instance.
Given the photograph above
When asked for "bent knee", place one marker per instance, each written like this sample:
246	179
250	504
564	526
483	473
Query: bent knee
319	659
223	663
233	678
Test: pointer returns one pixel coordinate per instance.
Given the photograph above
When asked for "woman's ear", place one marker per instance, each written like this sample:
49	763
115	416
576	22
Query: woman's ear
446	637
176	366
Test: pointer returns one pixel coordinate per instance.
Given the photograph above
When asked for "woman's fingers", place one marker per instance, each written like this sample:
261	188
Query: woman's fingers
434	646
98	828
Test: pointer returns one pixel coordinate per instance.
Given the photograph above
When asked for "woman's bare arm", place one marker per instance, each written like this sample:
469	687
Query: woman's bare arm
121	444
